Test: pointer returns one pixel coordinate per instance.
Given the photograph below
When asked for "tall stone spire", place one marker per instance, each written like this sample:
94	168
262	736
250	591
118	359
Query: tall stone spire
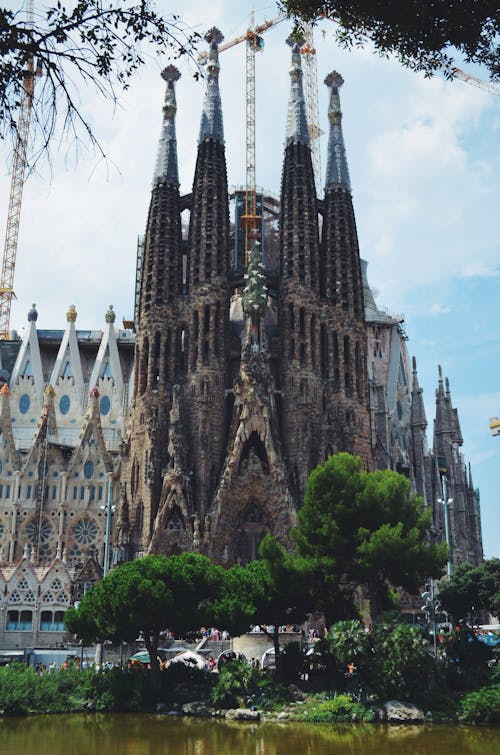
344	343
158	313
299	287
211	114
418	418
203	354
341	275
166	163
337	172
296	124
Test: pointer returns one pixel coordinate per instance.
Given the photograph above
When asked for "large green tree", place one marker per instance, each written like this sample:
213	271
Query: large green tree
364	529
471	589
270	592
77	48
147	596
425	35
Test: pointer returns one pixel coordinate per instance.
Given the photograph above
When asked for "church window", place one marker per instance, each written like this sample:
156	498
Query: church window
302	322
302	354
27	372
99	493
68	372
28	491
24	403
82	493
64	404
85	531
1	490
54	492
19	621
359	370
106	373
399	409
347	361
313	340
7	491
92	493
88	469
104	405
1	467
52	621
143	369
75	493
323	351
44	534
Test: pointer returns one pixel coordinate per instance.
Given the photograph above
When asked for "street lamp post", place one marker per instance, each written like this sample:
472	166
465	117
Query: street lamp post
446	502
109	508
109	511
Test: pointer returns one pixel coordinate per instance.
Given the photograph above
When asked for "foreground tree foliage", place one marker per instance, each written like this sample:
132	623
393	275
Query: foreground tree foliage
270	592
147	596
83	46
363	529
418	32
471	589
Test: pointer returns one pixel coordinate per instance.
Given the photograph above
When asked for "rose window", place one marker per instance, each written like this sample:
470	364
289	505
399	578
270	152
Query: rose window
56	584
44	534
15	597
85	531
48	597
29	597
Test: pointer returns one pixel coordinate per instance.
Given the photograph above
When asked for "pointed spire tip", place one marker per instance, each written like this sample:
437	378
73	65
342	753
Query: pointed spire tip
214	36
171	73
334	79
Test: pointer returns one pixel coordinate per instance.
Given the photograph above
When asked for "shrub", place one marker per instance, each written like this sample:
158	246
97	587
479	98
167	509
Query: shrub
401	665
482	706
341	708
236	681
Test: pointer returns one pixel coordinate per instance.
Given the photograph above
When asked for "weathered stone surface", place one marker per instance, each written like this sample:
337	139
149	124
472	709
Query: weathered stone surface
198	708
243	714
396	712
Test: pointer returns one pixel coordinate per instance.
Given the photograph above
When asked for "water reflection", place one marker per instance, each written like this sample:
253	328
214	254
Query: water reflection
162	735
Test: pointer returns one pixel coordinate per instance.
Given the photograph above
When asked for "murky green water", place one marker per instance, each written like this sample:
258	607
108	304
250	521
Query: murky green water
163	735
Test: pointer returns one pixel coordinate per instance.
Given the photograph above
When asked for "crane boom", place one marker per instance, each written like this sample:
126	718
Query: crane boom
488	86
16	191
311	79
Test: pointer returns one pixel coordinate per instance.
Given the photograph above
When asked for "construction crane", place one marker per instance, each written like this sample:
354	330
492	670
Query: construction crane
311	80
254	43
488	86
16	189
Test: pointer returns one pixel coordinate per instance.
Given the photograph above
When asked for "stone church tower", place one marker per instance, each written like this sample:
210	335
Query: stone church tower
234	407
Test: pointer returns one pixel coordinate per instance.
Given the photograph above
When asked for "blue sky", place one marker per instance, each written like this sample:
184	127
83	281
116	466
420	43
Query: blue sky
424	160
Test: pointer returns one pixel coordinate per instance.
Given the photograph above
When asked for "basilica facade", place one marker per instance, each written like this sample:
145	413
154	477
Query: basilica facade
195	427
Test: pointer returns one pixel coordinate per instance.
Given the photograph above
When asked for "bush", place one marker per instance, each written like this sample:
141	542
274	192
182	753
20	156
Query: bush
341	708
482	706
236	681
401	666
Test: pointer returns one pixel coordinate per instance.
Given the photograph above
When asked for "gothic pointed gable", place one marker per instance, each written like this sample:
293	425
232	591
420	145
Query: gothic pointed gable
174	522
46	429
107	366
28	366
68	366
252	495
90	445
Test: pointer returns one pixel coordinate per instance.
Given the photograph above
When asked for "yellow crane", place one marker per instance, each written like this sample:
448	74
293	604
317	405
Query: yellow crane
16	189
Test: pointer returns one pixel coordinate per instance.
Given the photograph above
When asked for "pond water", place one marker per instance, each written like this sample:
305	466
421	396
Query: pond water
116	734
